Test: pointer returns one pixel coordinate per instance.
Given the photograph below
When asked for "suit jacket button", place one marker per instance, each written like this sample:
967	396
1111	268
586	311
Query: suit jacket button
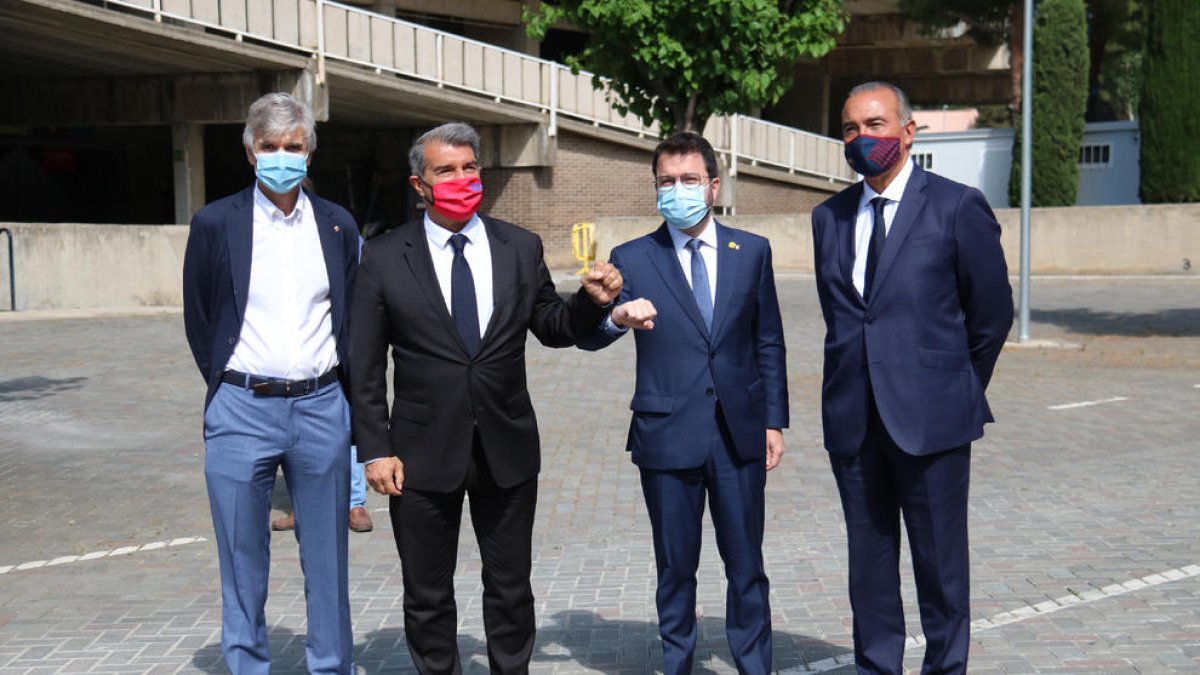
709	391
712	355
869	318
232	340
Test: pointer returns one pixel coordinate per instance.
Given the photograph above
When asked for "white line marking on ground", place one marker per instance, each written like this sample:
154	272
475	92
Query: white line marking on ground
1023	613
95	555
1084	404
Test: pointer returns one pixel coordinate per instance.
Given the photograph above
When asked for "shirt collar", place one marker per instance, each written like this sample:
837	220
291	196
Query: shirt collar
707	237
267	208
440	236
893	192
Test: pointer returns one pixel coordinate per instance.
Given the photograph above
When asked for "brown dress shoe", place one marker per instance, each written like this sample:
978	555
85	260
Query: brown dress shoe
360	520
285	522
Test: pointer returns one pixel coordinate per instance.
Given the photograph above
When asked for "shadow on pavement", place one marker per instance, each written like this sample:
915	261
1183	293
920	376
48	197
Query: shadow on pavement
586	638
35	387
1182	322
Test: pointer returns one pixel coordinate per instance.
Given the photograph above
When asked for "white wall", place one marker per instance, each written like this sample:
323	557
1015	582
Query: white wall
983	158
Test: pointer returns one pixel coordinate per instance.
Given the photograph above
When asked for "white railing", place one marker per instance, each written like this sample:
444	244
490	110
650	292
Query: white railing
325	30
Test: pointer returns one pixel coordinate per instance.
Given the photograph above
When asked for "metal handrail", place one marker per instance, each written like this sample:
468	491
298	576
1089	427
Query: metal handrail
544	93
12	272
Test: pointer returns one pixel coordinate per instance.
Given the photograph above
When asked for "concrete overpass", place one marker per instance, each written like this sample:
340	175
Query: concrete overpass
192	64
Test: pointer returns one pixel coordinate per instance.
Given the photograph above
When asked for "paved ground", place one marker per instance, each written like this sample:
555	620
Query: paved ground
1085	520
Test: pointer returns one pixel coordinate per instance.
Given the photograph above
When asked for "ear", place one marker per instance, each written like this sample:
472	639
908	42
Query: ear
715	183
908	133
415	182
251	158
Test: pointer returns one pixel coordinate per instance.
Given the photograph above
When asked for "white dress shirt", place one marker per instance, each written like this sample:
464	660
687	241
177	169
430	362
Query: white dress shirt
288	328
479	256
864	222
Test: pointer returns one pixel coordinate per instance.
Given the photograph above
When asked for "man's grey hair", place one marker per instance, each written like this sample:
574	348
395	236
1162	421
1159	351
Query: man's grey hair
905	106
277	114
455	134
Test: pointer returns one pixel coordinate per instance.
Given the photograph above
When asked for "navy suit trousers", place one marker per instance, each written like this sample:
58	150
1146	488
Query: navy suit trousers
877	485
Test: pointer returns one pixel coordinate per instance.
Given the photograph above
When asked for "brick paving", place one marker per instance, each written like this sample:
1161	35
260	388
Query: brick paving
1085	521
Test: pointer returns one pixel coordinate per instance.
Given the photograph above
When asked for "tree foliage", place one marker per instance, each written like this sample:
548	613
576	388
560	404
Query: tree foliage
1170	101
678	62
1060	81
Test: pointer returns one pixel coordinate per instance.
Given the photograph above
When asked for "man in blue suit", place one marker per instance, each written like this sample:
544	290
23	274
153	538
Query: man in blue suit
267	277
914	289
710	402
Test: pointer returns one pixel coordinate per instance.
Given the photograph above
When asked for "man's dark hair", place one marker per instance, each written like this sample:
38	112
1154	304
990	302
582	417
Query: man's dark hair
687	143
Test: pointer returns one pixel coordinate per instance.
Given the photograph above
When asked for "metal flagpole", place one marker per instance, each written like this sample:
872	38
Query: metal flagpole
1026	169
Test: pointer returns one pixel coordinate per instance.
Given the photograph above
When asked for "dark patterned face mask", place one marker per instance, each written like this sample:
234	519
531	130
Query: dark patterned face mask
873	155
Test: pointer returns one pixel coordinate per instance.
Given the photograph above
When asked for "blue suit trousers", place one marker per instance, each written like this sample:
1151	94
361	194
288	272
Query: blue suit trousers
247	437
877	485
675	499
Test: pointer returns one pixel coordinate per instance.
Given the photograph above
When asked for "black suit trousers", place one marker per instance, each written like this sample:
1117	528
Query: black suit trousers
426	526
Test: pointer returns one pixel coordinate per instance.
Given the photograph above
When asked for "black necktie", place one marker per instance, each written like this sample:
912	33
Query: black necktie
462	296
878	233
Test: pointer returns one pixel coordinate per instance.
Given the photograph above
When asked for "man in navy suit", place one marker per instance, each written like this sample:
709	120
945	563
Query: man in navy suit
914	289
710	402
267	277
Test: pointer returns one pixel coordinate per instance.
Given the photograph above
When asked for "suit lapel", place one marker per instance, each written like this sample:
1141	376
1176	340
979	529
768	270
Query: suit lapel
665	260
729	267
845	225
420	264
504	276
911	204
239	236
329	231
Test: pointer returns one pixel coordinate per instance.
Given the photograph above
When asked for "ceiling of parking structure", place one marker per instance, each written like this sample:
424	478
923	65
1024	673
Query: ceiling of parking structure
69	39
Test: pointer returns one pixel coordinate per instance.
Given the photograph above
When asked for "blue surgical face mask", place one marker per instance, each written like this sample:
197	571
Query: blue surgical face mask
280	172
681	206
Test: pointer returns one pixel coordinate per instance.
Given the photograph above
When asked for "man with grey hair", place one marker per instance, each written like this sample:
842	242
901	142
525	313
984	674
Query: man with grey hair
267	277
453	296
914	290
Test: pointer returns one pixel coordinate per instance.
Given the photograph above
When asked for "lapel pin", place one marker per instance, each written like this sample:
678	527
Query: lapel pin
733	245
337	228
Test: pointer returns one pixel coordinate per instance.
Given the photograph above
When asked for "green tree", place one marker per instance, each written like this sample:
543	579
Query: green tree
678	62
1170	102
1060	81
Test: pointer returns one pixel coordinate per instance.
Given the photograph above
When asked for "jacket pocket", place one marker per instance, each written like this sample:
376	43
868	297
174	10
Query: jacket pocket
411	411
652	403
755	391
519	405
943	359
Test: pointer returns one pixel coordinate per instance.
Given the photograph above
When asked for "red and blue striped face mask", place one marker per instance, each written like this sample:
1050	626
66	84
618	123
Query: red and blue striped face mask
873	155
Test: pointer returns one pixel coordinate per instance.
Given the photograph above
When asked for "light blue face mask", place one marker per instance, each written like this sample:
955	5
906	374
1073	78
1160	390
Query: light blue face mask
681	206
280	172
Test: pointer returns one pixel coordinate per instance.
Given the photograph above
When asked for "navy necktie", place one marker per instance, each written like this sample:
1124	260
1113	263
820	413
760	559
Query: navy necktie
462	296
700	286
878	234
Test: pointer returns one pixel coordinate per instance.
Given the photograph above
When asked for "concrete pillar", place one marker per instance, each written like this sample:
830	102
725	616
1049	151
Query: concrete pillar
187	149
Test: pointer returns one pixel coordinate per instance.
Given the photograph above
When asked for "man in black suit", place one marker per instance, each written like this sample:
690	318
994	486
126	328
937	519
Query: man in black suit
453	296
